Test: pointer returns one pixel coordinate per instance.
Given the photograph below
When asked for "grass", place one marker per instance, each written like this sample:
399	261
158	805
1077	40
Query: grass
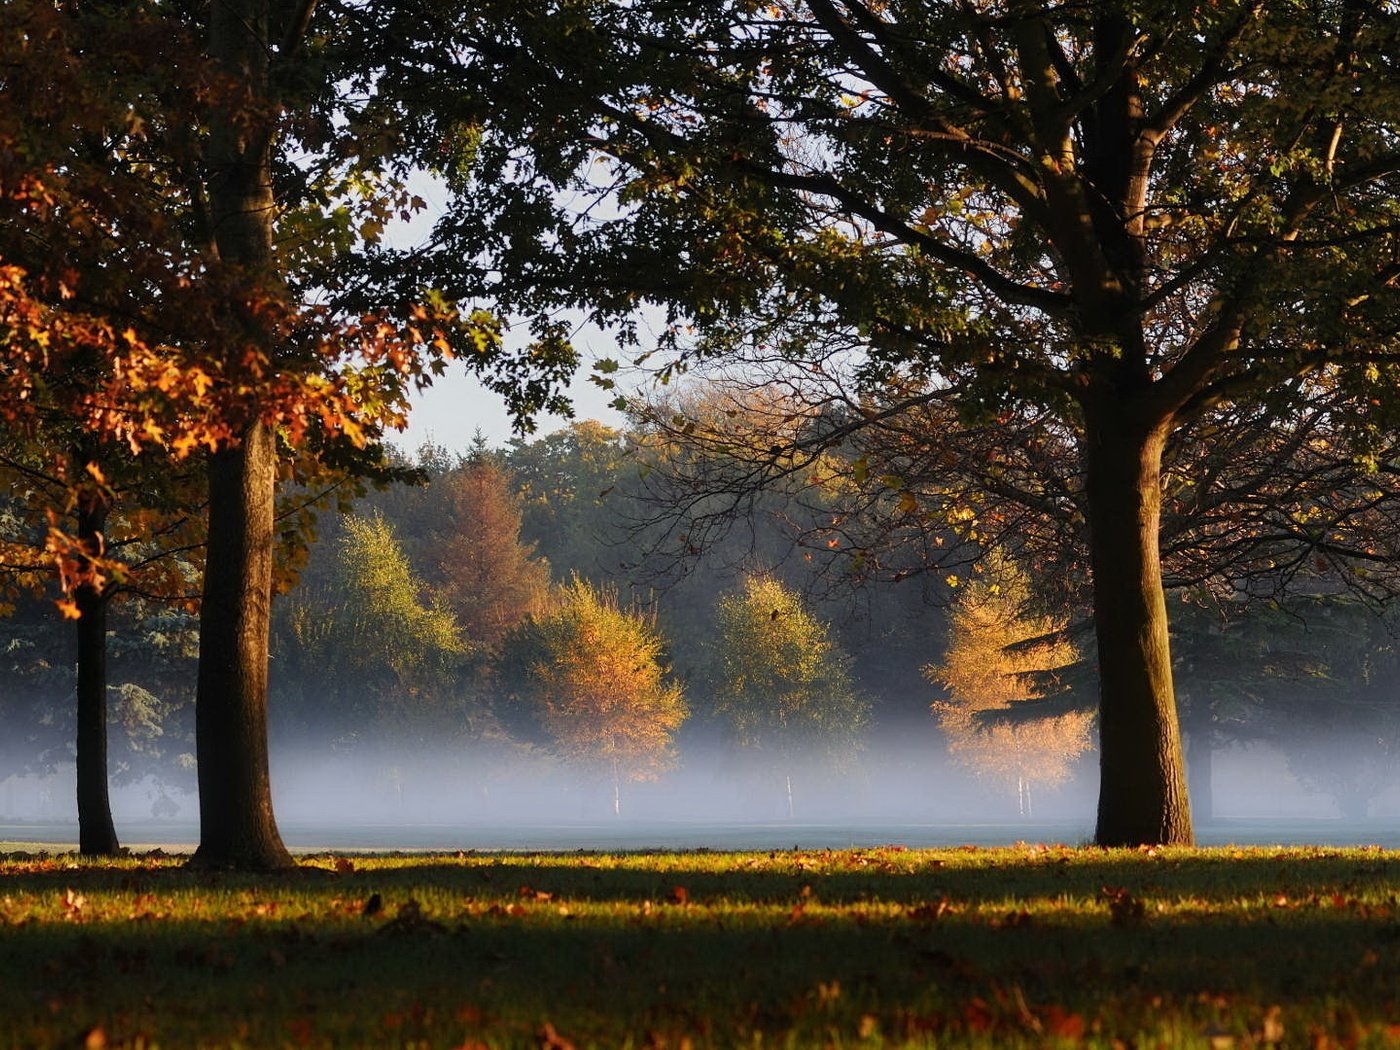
1025	946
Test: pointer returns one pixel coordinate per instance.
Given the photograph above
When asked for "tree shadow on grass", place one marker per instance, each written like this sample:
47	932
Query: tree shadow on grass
786	943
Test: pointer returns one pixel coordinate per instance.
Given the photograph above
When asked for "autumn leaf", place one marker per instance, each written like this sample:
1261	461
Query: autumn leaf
1271	1031
1059	1022
977	1015
301	1030
548	1038
931	911
1123	908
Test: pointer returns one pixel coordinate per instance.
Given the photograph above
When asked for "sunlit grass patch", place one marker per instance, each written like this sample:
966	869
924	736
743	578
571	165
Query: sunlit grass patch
1029	946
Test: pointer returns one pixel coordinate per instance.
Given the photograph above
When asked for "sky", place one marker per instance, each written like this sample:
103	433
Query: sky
451	411
456	406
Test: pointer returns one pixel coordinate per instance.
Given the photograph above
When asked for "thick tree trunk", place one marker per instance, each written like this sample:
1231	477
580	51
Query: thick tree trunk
236	825
1142	794
237	828
97	836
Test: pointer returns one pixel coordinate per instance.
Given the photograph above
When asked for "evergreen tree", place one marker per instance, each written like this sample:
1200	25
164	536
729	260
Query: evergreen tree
999	654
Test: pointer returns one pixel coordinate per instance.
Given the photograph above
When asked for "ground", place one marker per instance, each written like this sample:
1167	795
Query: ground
1021	946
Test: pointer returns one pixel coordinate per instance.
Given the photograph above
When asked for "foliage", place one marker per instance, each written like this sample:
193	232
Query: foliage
573	488
885	947
365	649
780	682
477	563
588	675
999	654
1087	223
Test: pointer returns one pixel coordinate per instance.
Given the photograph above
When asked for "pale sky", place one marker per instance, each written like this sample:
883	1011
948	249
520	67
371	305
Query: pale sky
456	406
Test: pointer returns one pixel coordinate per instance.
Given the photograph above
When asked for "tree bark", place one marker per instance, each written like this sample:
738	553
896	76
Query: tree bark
1142	794
237	827
97	835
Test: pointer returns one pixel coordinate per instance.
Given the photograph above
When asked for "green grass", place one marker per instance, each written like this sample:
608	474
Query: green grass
854	948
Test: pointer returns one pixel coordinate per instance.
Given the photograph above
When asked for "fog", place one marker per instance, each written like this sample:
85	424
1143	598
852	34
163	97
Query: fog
905	791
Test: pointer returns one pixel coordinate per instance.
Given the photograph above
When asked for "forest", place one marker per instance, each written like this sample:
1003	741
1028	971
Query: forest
1020	383
506	635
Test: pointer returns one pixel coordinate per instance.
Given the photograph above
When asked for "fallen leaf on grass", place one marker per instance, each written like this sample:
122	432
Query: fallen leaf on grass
977	1015
410	919
932	911
658	1041
535	895
514	911
1013	920
548	1038
1123	908
1061	1023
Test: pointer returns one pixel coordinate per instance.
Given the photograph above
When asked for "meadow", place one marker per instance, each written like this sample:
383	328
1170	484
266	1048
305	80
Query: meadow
1027	946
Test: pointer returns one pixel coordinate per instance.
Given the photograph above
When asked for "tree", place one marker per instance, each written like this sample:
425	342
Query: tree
572	491
488	577
141	524
998	654
365	650
587	678
200	197
1130	223
780	683
1334	706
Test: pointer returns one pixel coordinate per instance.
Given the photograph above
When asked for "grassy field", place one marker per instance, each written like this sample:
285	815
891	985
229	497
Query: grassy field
1025	946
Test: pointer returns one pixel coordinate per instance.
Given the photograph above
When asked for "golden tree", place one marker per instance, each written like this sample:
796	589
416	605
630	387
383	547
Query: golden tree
589	681
999	654
781	682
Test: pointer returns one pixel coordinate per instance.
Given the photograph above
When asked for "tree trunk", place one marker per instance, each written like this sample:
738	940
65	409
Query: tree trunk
1142	793
97	836
237	827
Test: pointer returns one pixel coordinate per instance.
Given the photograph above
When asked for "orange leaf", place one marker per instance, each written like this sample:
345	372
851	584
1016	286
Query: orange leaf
1062	1023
